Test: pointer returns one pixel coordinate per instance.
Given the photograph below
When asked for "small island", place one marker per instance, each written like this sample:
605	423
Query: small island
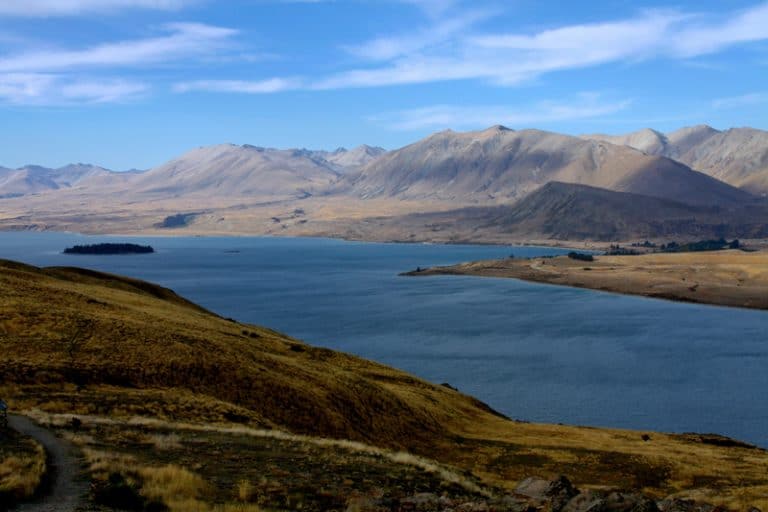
109	249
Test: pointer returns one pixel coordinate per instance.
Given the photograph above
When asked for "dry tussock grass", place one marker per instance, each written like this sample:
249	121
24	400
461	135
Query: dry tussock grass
444	472
21	475
165	441
172	485
178	488
245	491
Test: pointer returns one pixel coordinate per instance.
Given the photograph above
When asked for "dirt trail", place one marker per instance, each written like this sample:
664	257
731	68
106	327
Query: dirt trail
66	488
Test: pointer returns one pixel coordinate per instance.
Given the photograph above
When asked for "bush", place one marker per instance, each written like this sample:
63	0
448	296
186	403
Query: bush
580	256
117	492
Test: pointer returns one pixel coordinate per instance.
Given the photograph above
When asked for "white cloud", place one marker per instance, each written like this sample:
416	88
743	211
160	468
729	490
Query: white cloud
239	86
584	106
511	58
76	7
745	100
42	89
387	48
183	40
701	39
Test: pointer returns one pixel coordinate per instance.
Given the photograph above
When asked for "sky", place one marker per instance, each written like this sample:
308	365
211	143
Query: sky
133	83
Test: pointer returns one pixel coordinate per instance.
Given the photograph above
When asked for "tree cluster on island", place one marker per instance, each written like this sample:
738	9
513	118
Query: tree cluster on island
109	248
580	256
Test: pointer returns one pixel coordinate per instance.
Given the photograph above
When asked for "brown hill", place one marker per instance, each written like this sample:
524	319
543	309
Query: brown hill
502	165
81	342
565	211
576	212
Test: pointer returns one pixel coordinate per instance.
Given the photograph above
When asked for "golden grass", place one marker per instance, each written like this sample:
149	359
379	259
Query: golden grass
245	491
165	442
148	353
172	485
102	461
21	475
178	488
729	278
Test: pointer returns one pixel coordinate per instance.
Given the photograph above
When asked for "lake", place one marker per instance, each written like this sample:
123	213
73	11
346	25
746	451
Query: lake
534	352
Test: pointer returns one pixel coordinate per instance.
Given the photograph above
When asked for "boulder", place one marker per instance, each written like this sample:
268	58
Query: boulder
587	501
560	492
533	487
629	502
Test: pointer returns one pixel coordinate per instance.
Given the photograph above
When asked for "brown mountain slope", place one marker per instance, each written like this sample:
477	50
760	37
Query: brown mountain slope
738	156
569	212
228	170
499	164
575	212
90	343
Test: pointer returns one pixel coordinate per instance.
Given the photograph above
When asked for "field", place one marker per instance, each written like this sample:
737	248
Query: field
727	278
158	386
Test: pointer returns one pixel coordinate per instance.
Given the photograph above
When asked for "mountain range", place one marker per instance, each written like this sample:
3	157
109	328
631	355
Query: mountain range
502	165
491	184
738	156
32	179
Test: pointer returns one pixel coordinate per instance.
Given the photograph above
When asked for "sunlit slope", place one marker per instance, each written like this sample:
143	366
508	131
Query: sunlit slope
80	326
82	342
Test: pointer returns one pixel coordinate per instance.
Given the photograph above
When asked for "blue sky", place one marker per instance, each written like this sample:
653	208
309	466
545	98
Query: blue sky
132	83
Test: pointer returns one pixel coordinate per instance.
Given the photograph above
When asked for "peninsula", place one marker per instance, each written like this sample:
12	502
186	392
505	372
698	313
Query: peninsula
726	278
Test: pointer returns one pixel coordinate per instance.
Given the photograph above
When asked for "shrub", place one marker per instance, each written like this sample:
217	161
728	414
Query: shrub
580	256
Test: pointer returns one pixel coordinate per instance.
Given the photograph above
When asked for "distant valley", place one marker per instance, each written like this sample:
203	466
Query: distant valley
496	185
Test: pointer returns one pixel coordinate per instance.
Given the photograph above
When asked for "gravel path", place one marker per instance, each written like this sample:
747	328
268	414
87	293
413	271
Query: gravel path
66	488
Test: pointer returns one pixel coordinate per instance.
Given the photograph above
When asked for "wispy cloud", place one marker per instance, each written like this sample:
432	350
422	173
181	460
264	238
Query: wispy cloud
452	48
583	106
41	89
182	40
239	86
387	48
745	100
56	76
511	58
44	8
433	8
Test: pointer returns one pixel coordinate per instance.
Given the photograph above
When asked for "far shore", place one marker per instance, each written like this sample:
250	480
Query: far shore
724	278
576	245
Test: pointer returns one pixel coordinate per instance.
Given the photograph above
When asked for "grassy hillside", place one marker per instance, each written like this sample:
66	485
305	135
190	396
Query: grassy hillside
109	349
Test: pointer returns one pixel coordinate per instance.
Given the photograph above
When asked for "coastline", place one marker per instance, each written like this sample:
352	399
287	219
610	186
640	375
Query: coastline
721	278
151	234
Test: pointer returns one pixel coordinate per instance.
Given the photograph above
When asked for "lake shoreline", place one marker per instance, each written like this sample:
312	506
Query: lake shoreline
720	278
578	245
